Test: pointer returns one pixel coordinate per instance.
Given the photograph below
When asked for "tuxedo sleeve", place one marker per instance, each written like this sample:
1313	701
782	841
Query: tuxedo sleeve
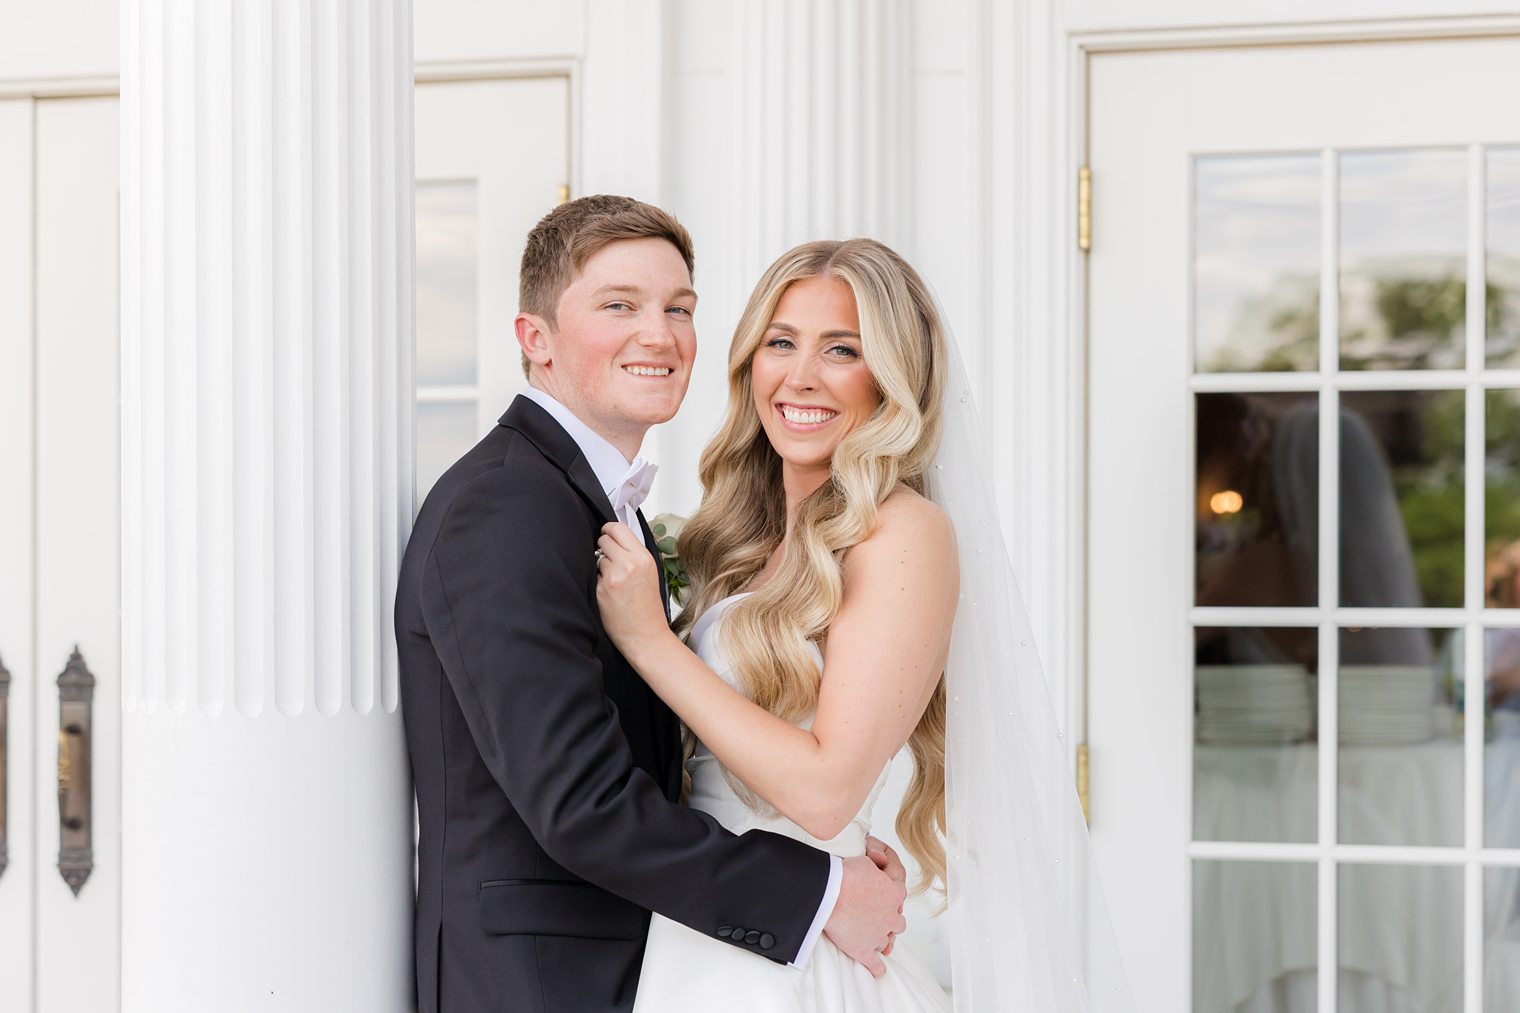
508	599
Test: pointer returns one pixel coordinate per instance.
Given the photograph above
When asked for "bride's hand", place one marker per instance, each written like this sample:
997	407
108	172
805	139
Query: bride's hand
628	590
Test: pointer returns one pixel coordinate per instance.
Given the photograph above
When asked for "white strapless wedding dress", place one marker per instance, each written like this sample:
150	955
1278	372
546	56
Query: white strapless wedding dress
688	972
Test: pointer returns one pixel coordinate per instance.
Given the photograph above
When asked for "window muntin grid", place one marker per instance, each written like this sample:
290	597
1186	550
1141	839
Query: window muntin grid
1458	369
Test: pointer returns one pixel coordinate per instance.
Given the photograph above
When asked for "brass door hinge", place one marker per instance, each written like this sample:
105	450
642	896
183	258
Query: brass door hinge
1084	209
564	192
1084	776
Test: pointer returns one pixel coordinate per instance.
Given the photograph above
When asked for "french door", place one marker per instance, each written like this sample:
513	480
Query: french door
1304	524
60	888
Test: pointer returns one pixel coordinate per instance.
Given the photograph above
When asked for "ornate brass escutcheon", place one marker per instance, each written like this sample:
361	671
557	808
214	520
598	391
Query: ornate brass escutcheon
76	690
5	692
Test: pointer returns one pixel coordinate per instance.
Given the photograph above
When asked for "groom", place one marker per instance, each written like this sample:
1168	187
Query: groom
547	774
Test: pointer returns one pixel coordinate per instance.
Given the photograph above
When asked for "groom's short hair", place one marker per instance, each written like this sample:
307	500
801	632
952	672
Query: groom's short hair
567	237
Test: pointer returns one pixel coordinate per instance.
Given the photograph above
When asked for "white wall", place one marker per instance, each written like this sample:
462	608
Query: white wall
473	31
44	40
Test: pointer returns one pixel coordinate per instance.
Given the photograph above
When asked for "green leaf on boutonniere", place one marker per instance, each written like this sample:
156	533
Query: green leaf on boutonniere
667	534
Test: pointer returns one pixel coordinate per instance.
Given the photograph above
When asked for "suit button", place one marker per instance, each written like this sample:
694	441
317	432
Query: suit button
736	935
752	937
724	931
767	940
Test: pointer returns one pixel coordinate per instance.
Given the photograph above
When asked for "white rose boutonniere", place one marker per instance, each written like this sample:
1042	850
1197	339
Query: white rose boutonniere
667	536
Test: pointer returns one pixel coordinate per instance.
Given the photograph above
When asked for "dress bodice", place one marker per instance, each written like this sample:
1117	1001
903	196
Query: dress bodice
710	790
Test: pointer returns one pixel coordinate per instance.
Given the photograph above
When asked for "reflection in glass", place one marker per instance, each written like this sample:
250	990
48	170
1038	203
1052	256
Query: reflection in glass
1256	263
1501	750
1255	762
444	433
1400	760
1501	940
1503	260
1399	938
447	263
1403	255
1501	501
1257	499
1255	937
1401	498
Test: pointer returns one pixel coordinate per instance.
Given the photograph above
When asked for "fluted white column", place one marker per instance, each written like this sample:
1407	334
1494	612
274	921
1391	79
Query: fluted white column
824	115
266	494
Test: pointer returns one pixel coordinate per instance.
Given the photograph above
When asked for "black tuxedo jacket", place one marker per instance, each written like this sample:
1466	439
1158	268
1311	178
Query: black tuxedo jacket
547	773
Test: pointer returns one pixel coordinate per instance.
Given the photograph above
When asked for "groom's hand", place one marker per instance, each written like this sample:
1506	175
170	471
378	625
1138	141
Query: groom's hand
867	915
886	860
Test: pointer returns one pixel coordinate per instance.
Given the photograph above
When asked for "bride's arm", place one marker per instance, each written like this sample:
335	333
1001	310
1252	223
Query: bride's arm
885	651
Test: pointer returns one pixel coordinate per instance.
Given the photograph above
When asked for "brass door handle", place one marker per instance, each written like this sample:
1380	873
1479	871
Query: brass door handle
76	691
73	789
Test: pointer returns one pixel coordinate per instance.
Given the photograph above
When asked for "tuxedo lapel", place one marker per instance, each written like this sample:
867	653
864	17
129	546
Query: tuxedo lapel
558	446
669	728
540	429
659	562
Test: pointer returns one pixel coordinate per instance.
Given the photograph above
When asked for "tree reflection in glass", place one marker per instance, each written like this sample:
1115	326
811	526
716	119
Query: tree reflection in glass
1401	491
1503	258
1256	277
1403	257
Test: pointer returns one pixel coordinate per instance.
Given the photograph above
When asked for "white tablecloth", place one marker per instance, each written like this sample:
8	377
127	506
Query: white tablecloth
1400	940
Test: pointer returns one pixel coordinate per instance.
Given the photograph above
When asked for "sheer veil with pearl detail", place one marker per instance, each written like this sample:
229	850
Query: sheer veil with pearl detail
1026	924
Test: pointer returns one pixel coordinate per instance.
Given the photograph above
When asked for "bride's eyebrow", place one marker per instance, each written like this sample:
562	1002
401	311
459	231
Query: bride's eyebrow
777	325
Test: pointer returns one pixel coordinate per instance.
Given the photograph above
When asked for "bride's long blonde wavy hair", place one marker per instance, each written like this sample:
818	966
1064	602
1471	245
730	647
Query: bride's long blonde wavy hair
743	515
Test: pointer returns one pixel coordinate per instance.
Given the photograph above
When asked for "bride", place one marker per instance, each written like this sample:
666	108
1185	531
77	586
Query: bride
826	581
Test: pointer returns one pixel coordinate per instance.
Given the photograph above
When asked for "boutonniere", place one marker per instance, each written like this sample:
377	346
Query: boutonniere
667	535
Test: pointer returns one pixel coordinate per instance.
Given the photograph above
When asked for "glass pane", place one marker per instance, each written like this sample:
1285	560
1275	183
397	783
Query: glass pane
1256	263
1255	937
1501	940
1399	938
444	433
1403	256
1255	761
447	262
1503	262
1501	507
1501	752
1401	491
1256	529
1400	759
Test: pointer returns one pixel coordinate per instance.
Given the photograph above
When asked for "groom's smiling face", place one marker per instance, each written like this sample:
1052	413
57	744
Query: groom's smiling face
620	354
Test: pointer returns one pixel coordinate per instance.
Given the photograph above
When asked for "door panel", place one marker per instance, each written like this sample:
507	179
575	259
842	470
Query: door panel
78	540
1290	791
16	547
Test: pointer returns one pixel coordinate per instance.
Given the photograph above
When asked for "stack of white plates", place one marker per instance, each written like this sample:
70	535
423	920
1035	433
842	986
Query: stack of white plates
1386	705
1252	705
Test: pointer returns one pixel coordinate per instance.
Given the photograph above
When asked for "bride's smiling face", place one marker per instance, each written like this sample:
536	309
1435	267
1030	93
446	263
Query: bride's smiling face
809	378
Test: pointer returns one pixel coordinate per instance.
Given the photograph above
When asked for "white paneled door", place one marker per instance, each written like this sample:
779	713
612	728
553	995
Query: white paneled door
492	158
59	546
1304	526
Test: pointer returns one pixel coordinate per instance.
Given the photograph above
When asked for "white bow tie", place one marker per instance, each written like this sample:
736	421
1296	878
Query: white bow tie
633	488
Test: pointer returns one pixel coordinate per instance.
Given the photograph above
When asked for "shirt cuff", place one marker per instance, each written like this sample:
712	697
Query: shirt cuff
825	911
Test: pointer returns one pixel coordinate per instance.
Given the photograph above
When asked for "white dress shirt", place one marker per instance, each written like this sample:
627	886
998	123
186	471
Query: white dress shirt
612	469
